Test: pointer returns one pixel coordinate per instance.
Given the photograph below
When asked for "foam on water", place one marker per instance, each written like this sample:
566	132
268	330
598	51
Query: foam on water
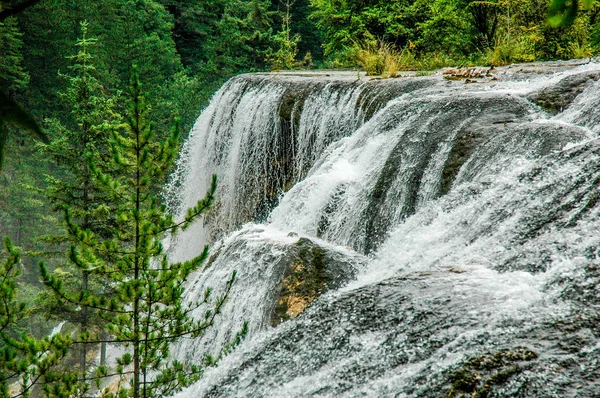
478	211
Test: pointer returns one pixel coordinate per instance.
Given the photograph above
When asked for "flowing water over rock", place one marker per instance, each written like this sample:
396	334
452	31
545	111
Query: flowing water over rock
409	237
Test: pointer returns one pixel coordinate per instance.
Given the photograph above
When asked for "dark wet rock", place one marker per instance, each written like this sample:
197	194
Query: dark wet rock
309	270
299	272
465	122
346	345
479	376
556	98
376	94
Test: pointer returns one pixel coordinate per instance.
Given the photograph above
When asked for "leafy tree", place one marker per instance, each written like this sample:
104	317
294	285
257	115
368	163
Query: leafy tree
564	12
147	311
447	28
287	43
345	22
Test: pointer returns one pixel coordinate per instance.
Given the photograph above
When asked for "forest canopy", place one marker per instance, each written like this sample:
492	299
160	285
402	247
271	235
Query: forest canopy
66	77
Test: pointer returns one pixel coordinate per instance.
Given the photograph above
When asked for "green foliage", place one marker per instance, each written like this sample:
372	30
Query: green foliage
448	28
13	77
222	37
564	12
130	31
286	42
24	360
11	112
12	73
458	31
25	214
93	120
376	58
346	22
145	310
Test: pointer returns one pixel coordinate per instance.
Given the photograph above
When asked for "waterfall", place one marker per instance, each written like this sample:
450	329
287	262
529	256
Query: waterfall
448	232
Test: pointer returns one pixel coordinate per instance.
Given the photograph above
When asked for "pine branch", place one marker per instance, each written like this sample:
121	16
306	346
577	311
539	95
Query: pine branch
9	9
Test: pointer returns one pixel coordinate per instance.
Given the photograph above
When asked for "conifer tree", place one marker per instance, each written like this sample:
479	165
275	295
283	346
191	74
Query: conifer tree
24	360
93	119
13	77
147	311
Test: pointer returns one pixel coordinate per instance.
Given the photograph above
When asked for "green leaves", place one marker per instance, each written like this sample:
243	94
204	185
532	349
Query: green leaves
563	12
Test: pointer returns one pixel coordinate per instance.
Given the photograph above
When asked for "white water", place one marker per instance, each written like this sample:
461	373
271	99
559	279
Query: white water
514	234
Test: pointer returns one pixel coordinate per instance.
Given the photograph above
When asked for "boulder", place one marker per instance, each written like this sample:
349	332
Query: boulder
554	99
308	271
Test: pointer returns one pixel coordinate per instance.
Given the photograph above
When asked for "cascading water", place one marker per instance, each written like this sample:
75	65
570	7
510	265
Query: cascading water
437	238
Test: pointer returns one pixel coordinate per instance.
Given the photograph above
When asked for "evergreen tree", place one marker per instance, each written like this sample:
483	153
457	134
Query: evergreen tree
9	8
94	117
287	43
303	26
24	360
13	77
222	37
12	73
131	31
147	311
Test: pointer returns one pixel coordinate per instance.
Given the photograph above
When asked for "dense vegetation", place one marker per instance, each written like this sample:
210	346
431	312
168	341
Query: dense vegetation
67	76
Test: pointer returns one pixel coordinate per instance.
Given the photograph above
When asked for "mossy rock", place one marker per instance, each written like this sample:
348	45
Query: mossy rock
478	376
309	270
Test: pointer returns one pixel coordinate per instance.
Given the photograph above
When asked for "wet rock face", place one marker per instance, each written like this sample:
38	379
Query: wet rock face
479	375
309	270
406	337
556	98
479	214
278	276
297	270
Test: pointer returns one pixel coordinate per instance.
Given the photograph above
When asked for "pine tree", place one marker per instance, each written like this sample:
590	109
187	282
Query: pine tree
93	120
22	357
13	77
147	311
